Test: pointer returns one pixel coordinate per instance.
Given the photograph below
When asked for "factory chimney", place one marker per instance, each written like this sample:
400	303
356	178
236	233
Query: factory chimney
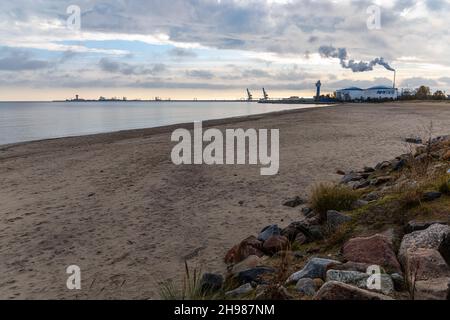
318	85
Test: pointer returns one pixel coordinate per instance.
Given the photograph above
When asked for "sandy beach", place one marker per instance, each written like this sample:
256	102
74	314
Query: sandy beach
115	205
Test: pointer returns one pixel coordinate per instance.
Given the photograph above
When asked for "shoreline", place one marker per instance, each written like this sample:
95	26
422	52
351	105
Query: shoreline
115	205
130	133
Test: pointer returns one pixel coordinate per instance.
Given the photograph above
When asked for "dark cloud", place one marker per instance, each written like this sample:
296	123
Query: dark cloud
200	74
182	53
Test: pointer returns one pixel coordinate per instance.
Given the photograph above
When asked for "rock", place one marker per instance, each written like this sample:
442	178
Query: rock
399	282
430	238
249	263
434	289
211	283
319	283
306	287
334	290
380	180
444	249
269	231
376	250
373	196
335	219
360	280
300	239
242	291
359	204
425	264
248	247
275	244
352	176
414	140
414	225
254	275
369	169
306	211
312	232
297	201
431	196
315	268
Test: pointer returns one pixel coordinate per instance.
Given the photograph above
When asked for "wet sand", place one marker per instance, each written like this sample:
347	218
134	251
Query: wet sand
115	205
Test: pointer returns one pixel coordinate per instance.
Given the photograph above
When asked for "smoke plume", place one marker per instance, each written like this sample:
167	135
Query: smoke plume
355	66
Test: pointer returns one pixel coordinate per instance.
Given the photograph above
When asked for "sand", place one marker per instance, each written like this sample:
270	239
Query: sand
115	205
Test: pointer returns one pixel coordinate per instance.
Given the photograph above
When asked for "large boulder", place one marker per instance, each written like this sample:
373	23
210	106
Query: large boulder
249	247
334	290
434	289
269	231
375	250
315	268
430	238
425	264
335	219
275	244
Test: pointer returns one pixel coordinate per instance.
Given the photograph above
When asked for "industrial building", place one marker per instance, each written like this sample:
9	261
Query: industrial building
374	93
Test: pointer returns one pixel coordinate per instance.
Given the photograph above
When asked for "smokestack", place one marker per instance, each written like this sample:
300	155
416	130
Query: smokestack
395	76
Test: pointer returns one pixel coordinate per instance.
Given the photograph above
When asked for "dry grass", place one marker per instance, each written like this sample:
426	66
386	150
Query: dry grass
327	196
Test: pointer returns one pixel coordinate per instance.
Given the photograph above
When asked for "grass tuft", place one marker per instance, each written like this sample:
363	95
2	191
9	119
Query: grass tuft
326	196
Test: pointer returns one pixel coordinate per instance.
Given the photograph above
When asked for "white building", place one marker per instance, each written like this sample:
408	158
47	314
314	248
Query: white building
374	93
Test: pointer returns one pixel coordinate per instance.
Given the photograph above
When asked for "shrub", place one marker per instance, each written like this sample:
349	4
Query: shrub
326	196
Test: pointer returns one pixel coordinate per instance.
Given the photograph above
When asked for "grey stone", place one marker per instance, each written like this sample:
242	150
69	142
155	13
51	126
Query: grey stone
414	140
373	196
268	232
315	268
306	287
242	291
359	204
335	219
360	280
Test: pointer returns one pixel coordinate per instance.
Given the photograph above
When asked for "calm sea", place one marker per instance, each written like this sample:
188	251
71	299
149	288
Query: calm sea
21	121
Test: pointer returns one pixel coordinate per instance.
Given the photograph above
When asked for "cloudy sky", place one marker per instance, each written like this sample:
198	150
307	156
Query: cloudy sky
215	48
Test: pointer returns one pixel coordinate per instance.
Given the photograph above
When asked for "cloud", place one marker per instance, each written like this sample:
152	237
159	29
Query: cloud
20	60
182	53
418	81
201	74
113	66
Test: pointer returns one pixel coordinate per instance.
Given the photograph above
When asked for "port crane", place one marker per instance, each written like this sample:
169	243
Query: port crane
249	95
266	96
